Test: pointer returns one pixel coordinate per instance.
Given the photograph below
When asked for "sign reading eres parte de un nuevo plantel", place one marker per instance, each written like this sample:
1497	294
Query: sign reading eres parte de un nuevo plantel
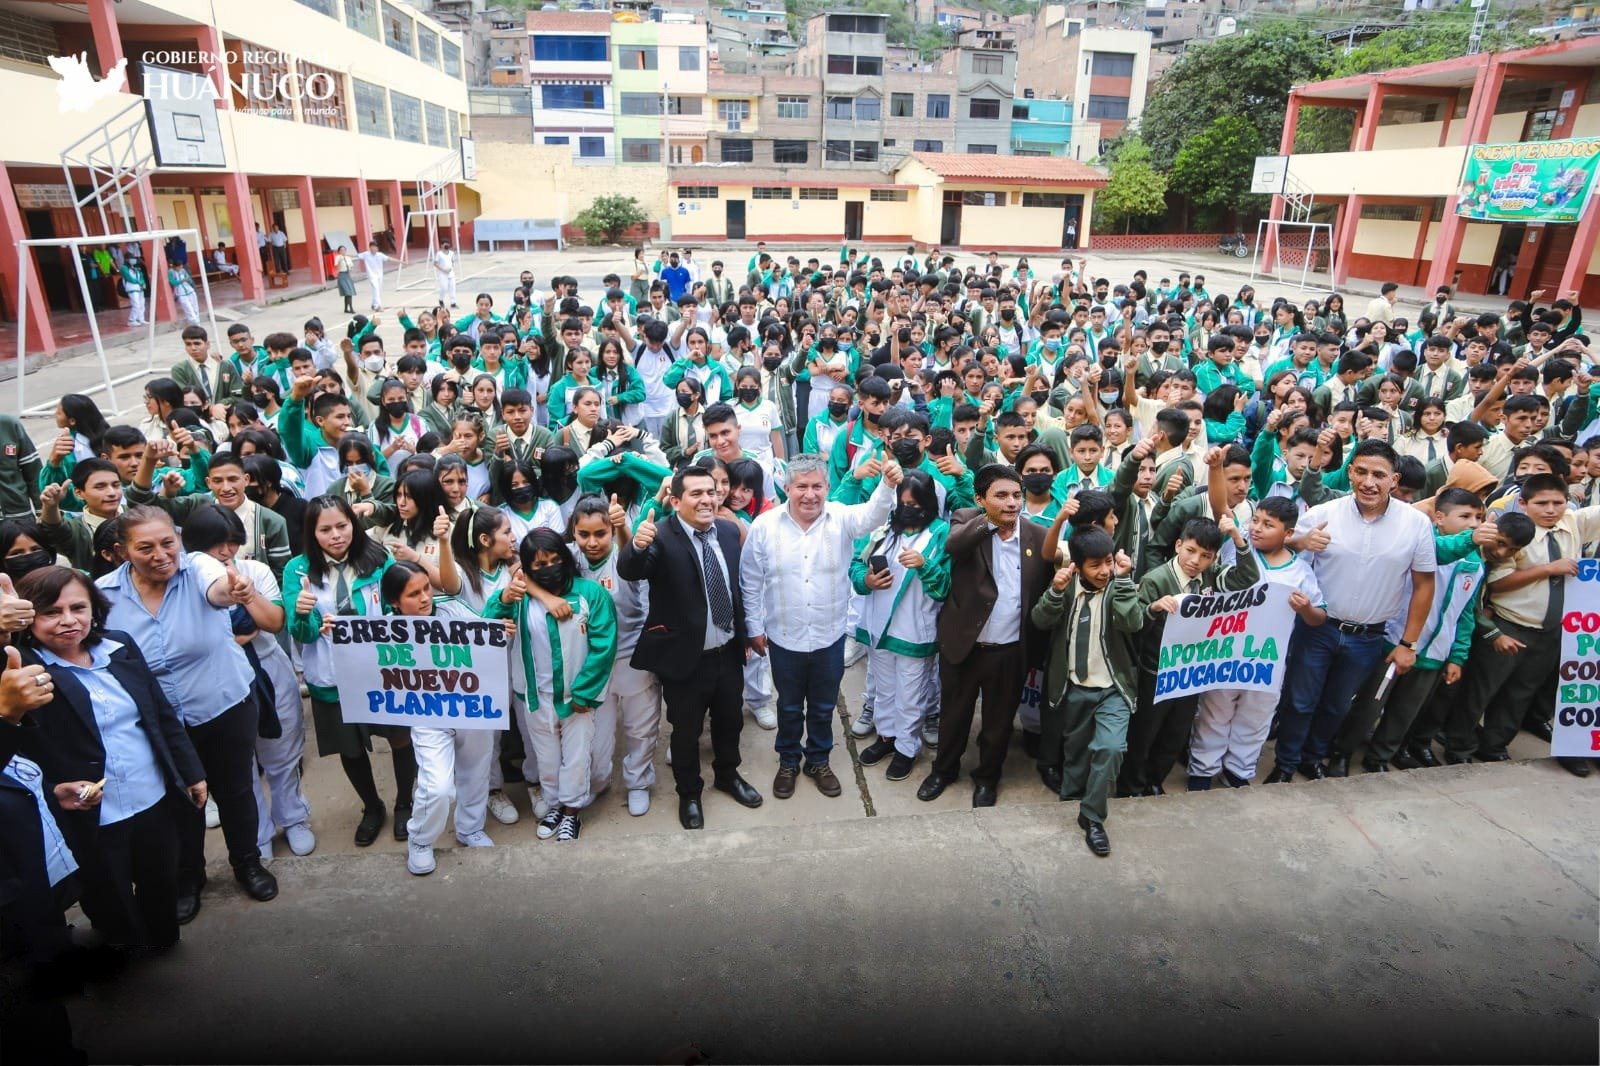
423	671
1532	181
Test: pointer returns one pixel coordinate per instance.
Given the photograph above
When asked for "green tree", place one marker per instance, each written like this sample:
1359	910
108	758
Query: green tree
1214	167
604	220
1248	75
1135	190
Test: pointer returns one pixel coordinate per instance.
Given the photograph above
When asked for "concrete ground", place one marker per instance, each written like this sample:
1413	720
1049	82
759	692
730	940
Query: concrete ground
1440	916
77	368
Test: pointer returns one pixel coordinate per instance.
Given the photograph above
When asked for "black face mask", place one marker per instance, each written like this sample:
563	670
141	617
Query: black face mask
18	565
872	419
748	395
1160	347
1007	314
910	516
1036	484
547	577
906	452
521	497
837	409
771	362
261	400
685	400
397	409
462	361
1039	397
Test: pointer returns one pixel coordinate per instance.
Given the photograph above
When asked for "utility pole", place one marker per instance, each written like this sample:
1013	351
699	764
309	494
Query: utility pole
1480	19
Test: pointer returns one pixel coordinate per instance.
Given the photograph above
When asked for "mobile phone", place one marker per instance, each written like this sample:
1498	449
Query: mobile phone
878	563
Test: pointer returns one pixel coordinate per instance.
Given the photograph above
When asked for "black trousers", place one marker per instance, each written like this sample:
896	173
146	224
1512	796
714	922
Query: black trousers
1157	736
997	672
227	749
716	688
128	875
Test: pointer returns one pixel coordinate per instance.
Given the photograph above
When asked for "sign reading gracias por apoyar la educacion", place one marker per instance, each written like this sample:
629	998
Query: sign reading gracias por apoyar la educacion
423	671
1226	640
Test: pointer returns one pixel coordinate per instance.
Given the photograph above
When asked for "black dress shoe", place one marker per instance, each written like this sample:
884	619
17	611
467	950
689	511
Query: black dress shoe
188	906
741	791
933	786
1280	776
1538	729
1095	837
1156	790
1405	759
877	751
689	814
1374	766
371	822
1051	776
258	884
402	818
1423	753
1575	767
1030	743
1338	766
1233	780
1313	771
984	795
1452	759
1492	756
1199	783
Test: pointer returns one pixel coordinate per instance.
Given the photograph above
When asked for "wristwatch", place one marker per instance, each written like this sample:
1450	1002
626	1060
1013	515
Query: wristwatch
1409	644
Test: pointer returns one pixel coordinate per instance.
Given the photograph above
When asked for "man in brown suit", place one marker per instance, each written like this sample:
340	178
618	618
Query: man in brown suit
986	641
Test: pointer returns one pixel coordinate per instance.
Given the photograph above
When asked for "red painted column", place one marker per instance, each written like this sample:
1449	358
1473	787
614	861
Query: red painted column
1350	220
1367	129
161	304
1480	113
41	338
358	200
209	39
308	219
237	186
107	38
1583	245
397	218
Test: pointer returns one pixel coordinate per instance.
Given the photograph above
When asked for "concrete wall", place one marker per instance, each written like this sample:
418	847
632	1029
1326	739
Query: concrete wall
1399	172
535	181
794	219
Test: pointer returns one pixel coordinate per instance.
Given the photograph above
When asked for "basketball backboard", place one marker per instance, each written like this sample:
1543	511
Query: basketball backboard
1270	174
181	109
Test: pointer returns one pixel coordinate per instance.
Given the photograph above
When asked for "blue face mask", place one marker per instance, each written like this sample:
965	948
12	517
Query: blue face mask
1053	345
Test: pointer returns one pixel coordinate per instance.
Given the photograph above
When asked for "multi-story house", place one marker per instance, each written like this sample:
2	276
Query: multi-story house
570	63
1104	71
984	62
846	51
659	78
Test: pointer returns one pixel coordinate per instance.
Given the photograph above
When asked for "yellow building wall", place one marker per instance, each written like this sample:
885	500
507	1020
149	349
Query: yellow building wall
1478	243
539	181
1411	135
1587	122
1398	172
1507	128
1009	226
1384	236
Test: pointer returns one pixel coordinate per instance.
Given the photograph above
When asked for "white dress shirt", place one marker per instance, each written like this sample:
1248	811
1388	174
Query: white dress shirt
715	637
796	581
1005	561
1363	569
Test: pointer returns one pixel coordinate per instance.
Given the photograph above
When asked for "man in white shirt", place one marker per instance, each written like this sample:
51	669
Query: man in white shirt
373	260
1381	309
1365	545
794	572
444	274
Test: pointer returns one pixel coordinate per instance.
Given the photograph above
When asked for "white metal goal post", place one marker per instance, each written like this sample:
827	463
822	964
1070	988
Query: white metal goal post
155	272
1269	249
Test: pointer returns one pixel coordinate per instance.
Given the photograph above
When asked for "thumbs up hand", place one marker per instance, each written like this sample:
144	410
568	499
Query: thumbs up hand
645	535
1318	539
16	613
240	588
616	514
441	524
23	688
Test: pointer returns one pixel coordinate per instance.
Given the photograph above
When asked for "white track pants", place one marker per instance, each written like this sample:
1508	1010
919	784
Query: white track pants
452	764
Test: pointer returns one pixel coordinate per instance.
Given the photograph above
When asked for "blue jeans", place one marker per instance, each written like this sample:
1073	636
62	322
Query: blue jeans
1324	673
807	684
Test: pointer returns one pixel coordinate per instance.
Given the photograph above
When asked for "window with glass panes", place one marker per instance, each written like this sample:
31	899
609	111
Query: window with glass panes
427	45
396	29
362	16
323	101
407	111
372	108
438	131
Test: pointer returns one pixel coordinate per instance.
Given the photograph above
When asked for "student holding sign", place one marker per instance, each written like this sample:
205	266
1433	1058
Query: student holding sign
339	575
565	667
451	763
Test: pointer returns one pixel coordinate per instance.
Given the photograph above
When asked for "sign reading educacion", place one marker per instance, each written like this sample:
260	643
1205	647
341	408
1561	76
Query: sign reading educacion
1226	640
423	671
1532	181
1576	729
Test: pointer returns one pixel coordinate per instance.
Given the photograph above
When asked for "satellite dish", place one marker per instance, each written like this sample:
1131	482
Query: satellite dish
1227	26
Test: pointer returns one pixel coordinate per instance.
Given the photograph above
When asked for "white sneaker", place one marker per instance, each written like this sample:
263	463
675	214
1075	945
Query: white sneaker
568	828
854	652
213	818
501	809
480	839
302	841
548	823
541	807
638	802
766	717
419	858
863	725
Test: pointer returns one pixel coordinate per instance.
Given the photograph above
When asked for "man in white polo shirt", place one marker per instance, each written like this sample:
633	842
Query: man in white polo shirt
1365	545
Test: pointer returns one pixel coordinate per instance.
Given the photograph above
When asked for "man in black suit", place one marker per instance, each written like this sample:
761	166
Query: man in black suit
694	635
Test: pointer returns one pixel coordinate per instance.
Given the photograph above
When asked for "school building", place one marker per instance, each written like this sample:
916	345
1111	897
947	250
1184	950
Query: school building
1392	197
327	114
950	199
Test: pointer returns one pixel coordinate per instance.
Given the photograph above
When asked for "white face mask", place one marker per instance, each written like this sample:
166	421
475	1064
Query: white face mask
373	363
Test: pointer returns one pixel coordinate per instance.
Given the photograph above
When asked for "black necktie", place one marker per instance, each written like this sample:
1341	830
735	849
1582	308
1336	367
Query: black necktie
1556	602
341	593
1080	659
716	585
1433	450
1192	587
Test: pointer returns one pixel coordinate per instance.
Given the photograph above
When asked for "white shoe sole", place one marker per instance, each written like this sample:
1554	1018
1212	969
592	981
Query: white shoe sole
306	849
862	728
766	718
505	813
640	806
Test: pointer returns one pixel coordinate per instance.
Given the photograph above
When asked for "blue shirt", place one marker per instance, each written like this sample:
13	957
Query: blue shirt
188	642
133	779
58	858
677	279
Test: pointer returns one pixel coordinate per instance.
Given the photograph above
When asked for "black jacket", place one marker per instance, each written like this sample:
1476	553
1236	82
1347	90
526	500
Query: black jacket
675	629
66	743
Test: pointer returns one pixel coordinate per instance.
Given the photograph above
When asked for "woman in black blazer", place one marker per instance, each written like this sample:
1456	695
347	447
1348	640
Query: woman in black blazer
115	757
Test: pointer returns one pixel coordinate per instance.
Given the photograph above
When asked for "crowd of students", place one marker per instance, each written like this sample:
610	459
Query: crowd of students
1021	476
